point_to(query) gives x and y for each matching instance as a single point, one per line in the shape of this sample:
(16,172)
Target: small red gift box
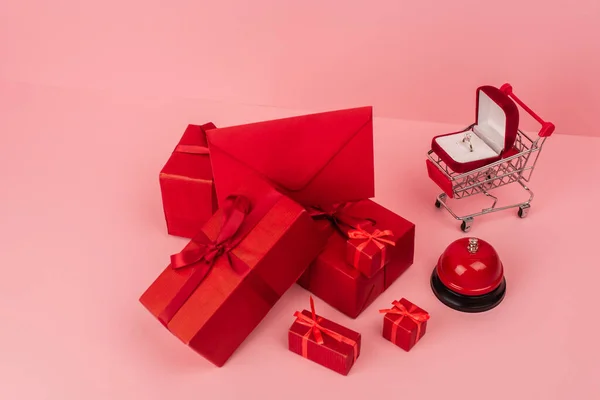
(404,324)
(337,282)
(367,249)
(222,284)
(323,341)
(186,183)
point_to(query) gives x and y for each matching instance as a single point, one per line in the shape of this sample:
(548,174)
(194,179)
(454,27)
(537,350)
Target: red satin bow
(202,249)
(317,330)
(338,216)
(400,310)
(202,253)
(377,237)
(192,149)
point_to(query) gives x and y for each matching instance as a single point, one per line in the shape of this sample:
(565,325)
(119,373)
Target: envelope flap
(291,151)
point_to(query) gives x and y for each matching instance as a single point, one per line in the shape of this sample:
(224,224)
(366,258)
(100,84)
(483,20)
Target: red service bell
(469,276)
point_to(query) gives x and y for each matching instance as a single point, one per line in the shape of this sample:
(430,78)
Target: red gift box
(404,324)
(222,284)
(186,183)
(331,278)
(367,249)
(323,341)
(321,158)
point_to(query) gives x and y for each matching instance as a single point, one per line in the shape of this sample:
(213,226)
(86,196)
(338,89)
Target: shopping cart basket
(491,153)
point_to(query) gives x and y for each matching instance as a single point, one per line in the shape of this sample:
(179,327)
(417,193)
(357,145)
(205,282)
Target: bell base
(461,302)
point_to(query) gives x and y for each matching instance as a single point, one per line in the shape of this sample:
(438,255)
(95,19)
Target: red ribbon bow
(339,218)
(400,310)
(377,237)
(202,253)
(235,211)
(317,331)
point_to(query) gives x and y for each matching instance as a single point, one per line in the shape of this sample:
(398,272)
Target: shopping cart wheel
(466,225)
(441,198)
(523,211)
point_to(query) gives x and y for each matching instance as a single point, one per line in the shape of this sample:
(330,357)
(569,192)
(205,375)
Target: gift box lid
(329,342)
(418,315)
(497,118)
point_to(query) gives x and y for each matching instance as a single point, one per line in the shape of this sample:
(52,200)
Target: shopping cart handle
(547,127)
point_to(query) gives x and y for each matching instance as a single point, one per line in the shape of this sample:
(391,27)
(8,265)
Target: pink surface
(83,235)
(417,60)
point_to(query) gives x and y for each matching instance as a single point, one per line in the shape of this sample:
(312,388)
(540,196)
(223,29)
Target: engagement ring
(467,138)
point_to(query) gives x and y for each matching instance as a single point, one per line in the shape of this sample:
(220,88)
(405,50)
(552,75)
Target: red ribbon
(400,310)
(377,238)
(339,217)
(191,149)
(317,331)
(196,149)
(202,253)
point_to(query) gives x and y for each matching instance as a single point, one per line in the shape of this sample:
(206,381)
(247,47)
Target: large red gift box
(222,284)
(323,341)
(322,158)
(186,183)
(336,281)
(404,324)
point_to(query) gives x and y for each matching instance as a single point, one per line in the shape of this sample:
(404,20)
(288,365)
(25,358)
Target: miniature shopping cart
(488,154)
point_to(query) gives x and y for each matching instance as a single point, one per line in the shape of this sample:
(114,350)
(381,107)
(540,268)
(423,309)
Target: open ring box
(492,136)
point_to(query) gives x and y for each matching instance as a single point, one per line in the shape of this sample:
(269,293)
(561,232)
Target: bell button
(469,276)
(473,245)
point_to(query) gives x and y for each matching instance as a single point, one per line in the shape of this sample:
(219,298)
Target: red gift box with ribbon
(332,276)
(368,248)
(222,284)
(186,183)
(323,341)
(404,324)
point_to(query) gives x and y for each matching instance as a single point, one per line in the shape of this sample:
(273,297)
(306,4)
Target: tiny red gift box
(186,183)
(337,282)
(323,341)
(404,324)
(368,249)
(223,283)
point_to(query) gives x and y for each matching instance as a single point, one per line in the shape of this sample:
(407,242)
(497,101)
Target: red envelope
(315,159)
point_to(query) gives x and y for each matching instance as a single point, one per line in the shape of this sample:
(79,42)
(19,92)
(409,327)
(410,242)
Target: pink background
(93,96)
(83,235)
(416,60)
